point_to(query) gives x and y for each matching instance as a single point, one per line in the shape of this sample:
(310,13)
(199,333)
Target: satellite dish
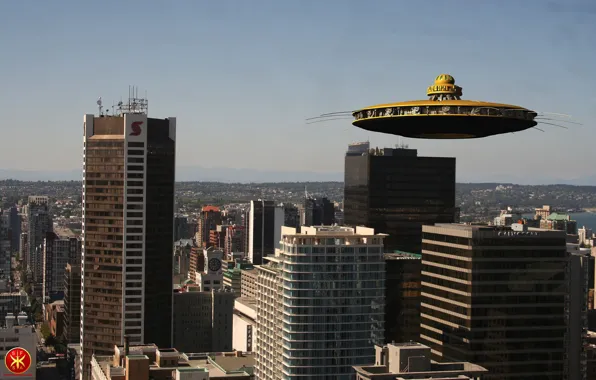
(99,101)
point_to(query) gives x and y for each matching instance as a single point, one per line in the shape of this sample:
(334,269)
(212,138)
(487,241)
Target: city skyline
(242,79)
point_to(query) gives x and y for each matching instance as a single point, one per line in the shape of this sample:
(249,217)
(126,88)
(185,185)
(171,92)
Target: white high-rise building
(320,303)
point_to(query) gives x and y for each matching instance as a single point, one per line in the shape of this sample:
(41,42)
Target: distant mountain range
(229,175)
(188,173)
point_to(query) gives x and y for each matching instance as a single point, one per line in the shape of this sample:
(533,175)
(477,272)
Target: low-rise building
(412,361)
(145,362)
(13,302)
(203,320)
(232,275)
(17,332)
(245,322)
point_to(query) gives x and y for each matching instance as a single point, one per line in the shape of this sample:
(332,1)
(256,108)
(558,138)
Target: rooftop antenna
(100,105)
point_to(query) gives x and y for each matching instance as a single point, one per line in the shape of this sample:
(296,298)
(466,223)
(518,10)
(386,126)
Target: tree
(45,332)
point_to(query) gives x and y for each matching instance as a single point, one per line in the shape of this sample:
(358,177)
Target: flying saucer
(444,116)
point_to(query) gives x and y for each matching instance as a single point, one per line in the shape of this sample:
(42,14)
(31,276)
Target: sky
(242,76)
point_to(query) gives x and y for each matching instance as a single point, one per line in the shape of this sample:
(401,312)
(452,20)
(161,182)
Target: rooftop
(64,233)
(401,255)
(330,231)
(248,302)
(557,216)
(184,243)
(210,209)
(411,360)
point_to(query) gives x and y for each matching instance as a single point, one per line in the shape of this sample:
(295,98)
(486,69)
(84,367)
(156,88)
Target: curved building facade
(320,303)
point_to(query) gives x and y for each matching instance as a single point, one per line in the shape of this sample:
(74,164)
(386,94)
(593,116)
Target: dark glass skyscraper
(318,212)
(263,229)
(395,192)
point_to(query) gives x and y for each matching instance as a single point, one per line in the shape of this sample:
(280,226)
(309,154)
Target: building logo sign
(136,128)
(518,233)
(17,361)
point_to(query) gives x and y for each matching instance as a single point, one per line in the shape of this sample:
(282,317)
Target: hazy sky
(241,77)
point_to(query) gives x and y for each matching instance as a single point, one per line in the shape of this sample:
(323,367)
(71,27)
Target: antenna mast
(134,103)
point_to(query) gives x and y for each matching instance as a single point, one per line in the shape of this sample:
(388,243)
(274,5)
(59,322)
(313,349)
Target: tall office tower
(197,263)
(496,296)
(39,223)
(264,223)
(291,215)
(209,218)
(395,192)
(60,247)
(72,303)
(234,241)
(402,310)
(5,245)
(24,247)
(128,228)
(181,230)
(319,303)
(14,227)
(577,314)
(318,212)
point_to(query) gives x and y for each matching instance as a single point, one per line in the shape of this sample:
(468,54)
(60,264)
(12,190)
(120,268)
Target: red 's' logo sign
(17,360)
(136,128)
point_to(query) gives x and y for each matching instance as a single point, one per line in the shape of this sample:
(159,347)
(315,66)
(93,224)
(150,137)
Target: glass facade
(159,233)
(396,192)
(128,217)
(403,298)
(103,214)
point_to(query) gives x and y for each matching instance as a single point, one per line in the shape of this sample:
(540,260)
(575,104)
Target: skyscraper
(495,296)
(39,222)
(5,244)
(72,303)
(265,219)
(61,247)
(318,212)
(395,192)
(209,218)
(128,214)
(320,303)
(14,227)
